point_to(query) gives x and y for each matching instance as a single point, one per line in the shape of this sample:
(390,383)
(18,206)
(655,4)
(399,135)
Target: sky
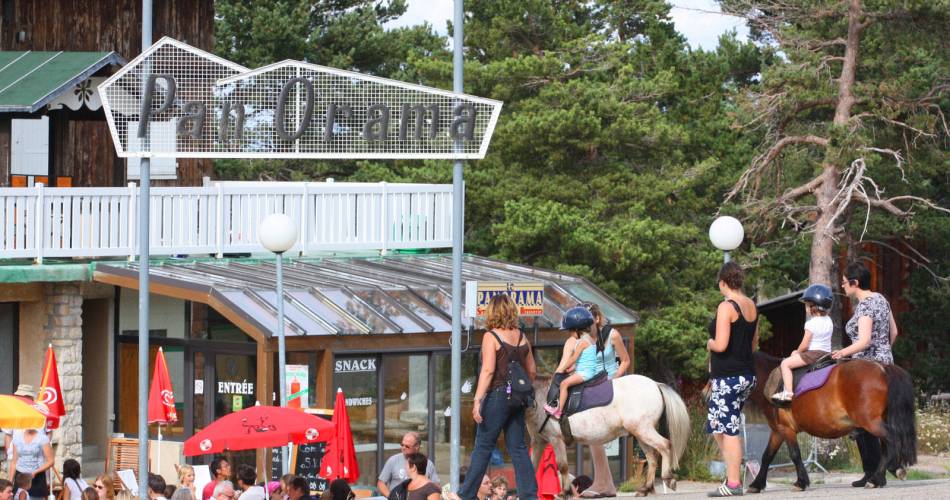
(697,20)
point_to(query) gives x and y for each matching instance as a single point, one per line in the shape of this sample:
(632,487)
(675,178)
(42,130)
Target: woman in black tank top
(732,337)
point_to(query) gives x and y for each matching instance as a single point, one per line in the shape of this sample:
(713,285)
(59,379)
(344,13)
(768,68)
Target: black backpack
(519,390)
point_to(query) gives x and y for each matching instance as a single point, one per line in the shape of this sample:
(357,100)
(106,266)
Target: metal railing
(222,218)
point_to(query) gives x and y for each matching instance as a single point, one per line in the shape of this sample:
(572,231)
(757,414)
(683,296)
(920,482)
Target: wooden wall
(83,148)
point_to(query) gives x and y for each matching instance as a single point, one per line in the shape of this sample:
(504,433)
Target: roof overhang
(30,80)
(400,294)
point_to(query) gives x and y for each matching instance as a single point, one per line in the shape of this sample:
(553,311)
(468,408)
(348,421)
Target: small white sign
(128,481)
(199,386)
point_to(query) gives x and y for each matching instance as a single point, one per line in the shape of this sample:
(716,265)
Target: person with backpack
(503,393)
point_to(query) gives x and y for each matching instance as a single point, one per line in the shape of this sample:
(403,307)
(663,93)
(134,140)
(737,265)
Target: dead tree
(831,114)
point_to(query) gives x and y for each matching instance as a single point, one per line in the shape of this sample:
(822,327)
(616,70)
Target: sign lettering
(291,109)
(528,296)
(355,365)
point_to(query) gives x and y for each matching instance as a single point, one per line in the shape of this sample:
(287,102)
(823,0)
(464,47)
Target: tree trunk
(826,227)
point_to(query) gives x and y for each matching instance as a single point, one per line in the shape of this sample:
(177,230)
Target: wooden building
(79,150)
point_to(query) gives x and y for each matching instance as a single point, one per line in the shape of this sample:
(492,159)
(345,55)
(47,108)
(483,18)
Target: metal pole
(457,246)
(144,201)
(281,351)
(725,256)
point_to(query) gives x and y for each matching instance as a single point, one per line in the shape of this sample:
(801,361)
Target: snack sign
(527,295)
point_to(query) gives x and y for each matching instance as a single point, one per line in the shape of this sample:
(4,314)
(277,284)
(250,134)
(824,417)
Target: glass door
(233,389)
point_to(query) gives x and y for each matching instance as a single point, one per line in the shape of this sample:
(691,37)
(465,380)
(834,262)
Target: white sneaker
(782,397)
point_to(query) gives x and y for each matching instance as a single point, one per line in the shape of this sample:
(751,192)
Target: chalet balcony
(222,218)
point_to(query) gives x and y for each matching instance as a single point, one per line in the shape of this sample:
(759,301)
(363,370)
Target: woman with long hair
(73,484)
(502,343)
(104,486)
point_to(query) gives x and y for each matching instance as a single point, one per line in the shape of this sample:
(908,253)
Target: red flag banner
(161,397)
(51,395)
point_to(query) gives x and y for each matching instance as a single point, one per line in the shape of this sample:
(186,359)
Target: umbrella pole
(158,456)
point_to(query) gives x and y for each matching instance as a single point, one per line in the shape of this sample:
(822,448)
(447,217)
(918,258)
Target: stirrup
(783,396)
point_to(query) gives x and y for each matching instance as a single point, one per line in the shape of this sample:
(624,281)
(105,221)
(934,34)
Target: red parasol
(161,398)
(50,393)
(340,458)
(549,481)
(259,427)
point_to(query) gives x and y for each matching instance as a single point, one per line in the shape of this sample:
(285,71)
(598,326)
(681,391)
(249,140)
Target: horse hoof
(901,474)
(753,490)
(671,484)
(798,487)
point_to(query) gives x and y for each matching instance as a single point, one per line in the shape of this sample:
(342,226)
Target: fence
(222,218)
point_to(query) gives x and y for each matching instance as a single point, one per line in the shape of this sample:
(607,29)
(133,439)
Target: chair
(121,454)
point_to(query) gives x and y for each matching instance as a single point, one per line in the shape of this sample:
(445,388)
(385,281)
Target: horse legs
(796,454)
(650,476)
(648,435)
(560,452)
(775,442)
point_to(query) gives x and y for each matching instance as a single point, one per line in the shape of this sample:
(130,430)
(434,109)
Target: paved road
(895,490)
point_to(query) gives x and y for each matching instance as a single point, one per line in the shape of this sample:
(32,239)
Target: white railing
(222,218)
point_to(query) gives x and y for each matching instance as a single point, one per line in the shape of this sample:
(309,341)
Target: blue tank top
(588,364)
(609,358)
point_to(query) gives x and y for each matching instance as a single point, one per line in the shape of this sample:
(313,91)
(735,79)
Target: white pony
(638,406)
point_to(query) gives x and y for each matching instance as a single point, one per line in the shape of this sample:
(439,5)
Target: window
(29,146)
(357,376)
(8,346)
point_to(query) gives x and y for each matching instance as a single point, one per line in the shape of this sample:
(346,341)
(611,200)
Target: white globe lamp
(726,234)
(278,233)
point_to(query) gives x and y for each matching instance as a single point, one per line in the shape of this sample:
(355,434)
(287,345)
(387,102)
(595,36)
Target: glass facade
(359,379)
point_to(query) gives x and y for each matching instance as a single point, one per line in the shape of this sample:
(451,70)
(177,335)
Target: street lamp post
(726,234)
(278,233)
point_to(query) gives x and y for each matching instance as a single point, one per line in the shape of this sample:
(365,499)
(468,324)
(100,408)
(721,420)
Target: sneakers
(782,397)
(725,491)
(552,410)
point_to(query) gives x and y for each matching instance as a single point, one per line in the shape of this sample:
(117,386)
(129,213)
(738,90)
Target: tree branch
(769,156)
(922,262)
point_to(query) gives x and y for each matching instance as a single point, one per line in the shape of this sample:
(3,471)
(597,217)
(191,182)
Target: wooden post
(324,396)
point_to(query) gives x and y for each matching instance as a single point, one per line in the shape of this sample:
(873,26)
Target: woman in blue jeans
(491,411)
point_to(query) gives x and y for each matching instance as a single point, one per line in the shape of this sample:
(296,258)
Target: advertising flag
(50,393)
(161,398)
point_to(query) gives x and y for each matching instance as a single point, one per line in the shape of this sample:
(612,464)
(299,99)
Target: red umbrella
(259,427)
(161,398)
(340,458)
(549,481)
(50,393)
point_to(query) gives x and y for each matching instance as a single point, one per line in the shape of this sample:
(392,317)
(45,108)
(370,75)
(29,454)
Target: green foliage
(617,143)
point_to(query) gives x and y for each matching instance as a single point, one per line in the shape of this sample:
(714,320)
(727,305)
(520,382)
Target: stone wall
(64,331)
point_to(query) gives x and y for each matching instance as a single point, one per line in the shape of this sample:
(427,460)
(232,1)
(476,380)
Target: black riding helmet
(819,295)
(577,318)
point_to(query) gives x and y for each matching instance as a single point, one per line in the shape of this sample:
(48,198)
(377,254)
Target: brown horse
(859,394)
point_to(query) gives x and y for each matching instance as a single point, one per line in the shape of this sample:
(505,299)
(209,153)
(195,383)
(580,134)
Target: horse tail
(677,422)
(900,418)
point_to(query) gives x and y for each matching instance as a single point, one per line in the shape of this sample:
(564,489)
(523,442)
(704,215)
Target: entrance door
(229,385)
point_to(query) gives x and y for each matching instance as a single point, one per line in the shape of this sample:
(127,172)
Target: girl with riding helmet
(816,342)
(580,352)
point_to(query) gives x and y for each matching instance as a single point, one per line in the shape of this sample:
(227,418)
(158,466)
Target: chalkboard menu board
(307,465)
(275,468)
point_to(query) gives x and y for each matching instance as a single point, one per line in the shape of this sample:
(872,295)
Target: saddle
(596,392)
(804,379)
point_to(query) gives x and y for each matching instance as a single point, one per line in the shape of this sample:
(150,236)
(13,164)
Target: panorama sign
(175,100)
(527,296)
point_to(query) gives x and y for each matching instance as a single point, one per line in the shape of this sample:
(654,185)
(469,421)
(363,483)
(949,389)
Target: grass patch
(920,475)
(933,430)
(700,449)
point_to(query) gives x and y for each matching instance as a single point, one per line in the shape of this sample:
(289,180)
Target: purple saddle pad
(813,380)
(595,396)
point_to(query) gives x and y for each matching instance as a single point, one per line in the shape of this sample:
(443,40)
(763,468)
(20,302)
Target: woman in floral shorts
(732,335)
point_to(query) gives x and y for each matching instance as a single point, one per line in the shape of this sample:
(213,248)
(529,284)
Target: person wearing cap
(24,392)
(580,352)
(816,342)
